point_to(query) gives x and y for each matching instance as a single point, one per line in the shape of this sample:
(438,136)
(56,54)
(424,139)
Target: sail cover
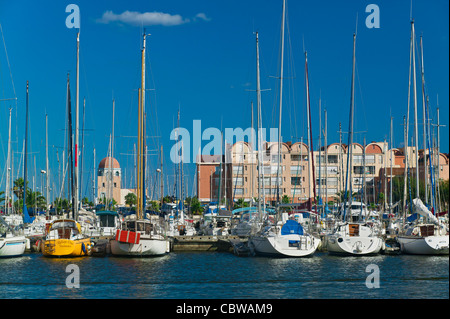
(421,209)
(291,227)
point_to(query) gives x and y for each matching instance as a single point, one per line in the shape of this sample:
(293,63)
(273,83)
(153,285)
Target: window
(296,181)
(296,170)
(237,181)
(295,157)
(237,170)
(332,159)
(332,181)
(358,169)
(115,184)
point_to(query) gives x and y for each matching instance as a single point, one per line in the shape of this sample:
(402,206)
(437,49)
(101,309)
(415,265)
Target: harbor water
(221,275)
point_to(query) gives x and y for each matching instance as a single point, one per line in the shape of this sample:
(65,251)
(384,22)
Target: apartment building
(235,175)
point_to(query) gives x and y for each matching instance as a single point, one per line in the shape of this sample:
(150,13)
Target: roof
(108,162)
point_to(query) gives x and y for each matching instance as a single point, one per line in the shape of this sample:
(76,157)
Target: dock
(203,243)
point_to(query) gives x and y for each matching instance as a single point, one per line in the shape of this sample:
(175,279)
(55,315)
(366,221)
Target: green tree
(196,207)
(285,199)
(240,203)
(131,199)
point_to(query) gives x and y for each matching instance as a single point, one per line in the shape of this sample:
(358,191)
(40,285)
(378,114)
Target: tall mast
(24,212)
(77,114)
(140,152)
(320,153)
(281,101)
(162,178)
(425,172)
(258,104)
(391,177)
(71,187)
(350,136)
(8,168)
(326,161)
(416,119)
(47,180)
(310,140)
(406,132)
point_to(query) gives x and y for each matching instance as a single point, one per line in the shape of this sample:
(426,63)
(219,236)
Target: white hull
(279,246)
(146,247)
(430,245)
(12,246)
(354,245)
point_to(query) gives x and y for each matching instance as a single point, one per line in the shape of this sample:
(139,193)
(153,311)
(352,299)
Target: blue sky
(201,60)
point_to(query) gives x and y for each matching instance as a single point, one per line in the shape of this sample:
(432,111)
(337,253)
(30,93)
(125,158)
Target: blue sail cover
(26,217)
(291,227)
(412,218)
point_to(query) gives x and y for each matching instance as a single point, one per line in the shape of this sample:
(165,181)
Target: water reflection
(222,275)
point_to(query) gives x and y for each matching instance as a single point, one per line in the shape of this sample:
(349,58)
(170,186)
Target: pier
(203,243)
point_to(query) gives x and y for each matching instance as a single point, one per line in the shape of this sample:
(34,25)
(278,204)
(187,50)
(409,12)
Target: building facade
(235,176)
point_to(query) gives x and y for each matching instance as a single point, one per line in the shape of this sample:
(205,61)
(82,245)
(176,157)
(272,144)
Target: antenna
(410,12)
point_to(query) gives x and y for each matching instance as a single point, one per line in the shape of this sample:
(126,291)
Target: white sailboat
(11,244)
(286,238)
(353,237)
(425,235)
(139,236)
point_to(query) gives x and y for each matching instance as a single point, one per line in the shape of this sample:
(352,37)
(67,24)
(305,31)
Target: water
(218,275)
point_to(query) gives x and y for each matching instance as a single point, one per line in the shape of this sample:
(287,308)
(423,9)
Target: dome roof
(108,162)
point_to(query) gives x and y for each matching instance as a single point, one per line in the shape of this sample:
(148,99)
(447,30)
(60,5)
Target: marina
(142,207)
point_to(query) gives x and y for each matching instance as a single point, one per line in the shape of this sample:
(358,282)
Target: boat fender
(83,248)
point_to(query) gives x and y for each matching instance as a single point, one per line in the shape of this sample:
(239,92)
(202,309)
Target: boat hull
(66,247)
(348,245)
(284,245)
(430,245)
(13,246)
(145,247)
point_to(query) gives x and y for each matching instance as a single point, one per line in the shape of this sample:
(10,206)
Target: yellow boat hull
(66,247)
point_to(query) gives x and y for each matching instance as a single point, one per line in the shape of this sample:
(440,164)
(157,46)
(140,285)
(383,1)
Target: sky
(201,61)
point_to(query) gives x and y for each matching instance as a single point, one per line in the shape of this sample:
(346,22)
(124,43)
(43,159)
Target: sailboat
(138,236)
(285,238)
(13,244)
(424,234)
(64,237)
(353,237)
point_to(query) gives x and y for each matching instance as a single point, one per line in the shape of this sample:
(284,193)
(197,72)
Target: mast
(47,180)
(24,211)
(70,149)
(326,162)
(8,168)
(391,178)
(162,178)
(350,136)
(320,153)
(258,104)
(94,199)
(77,114)
(281,102)
(424,105)
(140,151)
(406,132)
(310,140)
(416,119)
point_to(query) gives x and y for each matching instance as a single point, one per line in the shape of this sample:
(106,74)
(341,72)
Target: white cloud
(202,16)
(148,18)
(145,19)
